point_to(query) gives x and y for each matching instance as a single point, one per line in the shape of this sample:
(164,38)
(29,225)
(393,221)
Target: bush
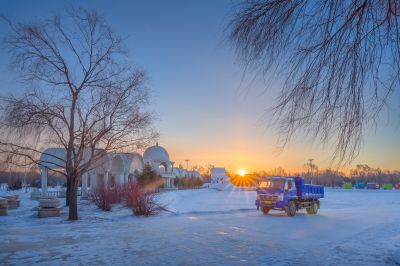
(117,193)
(103,197)
(142,201)
(188,182)
(149,178)
(15,184)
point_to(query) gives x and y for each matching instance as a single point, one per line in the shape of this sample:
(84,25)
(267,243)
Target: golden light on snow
(242,172)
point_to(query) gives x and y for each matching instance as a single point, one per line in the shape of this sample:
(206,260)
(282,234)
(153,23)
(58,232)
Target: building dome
(155,153)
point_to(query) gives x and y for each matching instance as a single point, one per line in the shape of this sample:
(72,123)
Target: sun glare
(242,172)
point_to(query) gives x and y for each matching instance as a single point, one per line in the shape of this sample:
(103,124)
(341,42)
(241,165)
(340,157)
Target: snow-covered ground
(353,227)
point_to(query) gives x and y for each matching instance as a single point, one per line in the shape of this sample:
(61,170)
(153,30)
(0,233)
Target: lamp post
(310,166)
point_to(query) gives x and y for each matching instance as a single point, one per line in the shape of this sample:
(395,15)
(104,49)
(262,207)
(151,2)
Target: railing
(50,194)
(189,188)
(53,193)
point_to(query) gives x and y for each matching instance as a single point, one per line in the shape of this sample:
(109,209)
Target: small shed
(360,185)
(387,186)
(372,185)
(347,185)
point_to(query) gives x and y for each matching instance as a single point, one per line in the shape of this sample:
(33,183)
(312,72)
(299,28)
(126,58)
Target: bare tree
(340,61)
(82,95)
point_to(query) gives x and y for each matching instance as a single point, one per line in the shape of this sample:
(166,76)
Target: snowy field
(353,227)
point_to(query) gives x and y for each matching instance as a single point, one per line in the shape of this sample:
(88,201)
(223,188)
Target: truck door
(290,189)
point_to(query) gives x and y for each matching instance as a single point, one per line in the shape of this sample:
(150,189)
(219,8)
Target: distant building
(112,168)
(158,158)
(180,173)
(218,175)
(194,174)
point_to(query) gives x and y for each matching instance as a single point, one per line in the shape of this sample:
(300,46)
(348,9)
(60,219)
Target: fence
(189,188)
(3,186)
(51,194)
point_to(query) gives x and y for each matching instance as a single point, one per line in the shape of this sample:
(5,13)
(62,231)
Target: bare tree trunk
(97,97)
(73,198)
(67,197)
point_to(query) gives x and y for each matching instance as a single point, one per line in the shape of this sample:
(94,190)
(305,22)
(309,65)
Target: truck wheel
(313,208)
(291,209)
(265,210)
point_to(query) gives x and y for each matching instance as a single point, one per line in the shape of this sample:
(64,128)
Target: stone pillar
(84,185)
(93,181)
(44,172)
(121,179)
(106,178)
(118,179)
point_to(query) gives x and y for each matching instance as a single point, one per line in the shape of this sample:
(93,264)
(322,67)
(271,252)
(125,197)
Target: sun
(242,172)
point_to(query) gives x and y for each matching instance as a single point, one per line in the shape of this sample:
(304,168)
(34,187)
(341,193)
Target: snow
(205,226)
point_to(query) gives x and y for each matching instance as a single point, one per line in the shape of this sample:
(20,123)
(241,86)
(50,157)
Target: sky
(207,109)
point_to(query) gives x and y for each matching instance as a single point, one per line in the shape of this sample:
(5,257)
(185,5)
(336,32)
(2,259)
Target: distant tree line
(31,178)
(188,182)
(333,178)
(326,177)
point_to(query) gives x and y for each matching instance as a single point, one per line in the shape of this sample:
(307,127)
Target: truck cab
(289,194)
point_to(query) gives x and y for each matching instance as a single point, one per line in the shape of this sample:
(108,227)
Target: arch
(133,177)
(136,163)
(163,168)
(136,174)
(116,175)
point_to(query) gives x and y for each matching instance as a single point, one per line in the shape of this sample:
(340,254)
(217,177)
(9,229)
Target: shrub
(35,183)
(117,193)
(188,182)
(103,197)
(142,201)
(15,184)
(150,178)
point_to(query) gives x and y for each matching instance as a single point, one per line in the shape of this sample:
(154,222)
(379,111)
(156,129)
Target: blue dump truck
(288,194)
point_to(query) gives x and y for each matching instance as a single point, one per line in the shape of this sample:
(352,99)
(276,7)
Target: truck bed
(307,191)
(312,192)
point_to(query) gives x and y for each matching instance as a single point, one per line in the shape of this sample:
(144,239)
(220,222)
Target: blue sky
(206,111)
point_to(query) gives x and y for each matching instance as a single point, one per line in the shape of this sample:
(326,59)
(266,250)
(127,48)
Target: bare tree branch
(340,61)
(82,95)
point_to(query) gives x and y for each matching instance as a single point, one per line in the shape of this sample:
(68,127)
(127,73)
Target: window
(272,184)
(289,187)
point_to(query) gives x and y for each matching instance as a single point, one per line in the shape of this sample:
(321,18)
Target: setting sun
(242,172)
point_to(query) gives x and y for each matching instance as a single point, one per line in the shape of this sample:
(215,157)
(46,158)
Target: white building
(158,158)
(218,175)
(180,173)
(112,168)
(194,174)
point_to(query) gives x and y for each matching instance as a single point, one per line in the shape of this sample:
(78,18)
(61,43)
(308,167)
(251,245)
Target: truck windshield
(273,184)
